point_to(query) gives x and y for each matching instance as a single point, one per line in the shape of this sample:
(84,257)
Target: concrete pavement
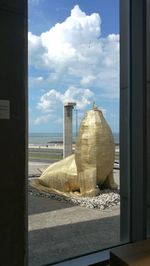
(35,168)
(60,230)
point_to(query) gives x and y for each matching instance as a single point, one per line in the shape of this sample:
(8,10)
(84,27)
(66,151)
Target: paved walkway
(60,230)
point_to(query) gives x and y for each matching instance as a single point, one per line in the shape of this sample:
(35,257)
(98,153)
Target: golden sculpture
(91,167)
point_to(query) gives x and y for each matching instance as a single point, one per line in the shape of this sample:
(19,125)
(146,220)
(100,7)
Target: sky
(73,56)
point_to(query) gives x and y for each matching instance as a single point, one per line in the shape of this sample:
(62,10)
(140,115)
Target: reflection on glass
(74,201)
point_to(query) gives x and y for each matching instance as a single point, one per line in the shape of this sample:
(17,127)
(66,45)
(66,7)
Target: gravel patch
(106,199)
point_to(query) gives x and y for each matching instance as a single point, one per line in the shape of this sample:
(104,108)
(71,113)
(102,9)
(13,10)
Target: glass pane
(73,73)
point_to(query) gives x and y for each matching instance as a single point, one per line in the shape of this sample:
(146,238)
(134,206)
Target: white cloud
(62,44)
(64,40)
(36,79)
(52,99)
(35,2)
(40,78)
(35,50)
(88,80)
(59,121)
(74,52)
(43,119)
(75,48)
(36,82)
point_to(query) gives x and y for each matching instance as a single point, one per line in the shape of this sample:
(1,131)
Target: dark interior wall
(135,118)
(148,114)
(124,119)
(13,128)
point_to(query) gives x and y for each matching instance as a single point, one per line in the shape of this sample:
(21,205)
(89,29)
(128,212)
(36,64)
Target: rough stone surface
(106,199)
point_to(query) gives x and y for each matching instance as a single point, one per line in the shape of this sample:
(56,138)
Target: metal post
(76,110)
(67,134)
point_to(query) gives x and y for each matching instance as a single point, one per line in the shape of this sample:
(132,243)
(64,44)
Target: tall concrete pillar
(67,134)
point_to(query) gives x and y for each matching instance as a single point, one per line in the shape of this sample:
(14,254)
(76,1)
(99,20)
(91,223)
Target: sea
(43,139)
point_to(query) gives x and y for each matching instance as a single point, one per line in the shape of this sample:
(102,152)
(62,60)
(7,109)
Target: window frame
(132,130)
(133,119)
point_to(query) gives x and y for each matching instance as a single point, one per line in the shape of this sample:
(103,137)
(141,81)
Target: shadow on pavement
(41,204)
(57,243)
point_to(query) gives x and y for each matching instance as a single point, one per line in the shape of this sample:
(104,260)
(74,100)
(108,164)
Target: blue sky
(73,56)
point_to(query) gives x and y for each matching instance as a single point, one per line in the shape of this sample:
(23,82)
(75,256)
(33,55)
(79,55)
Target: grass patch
(45,156)
(45,151)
